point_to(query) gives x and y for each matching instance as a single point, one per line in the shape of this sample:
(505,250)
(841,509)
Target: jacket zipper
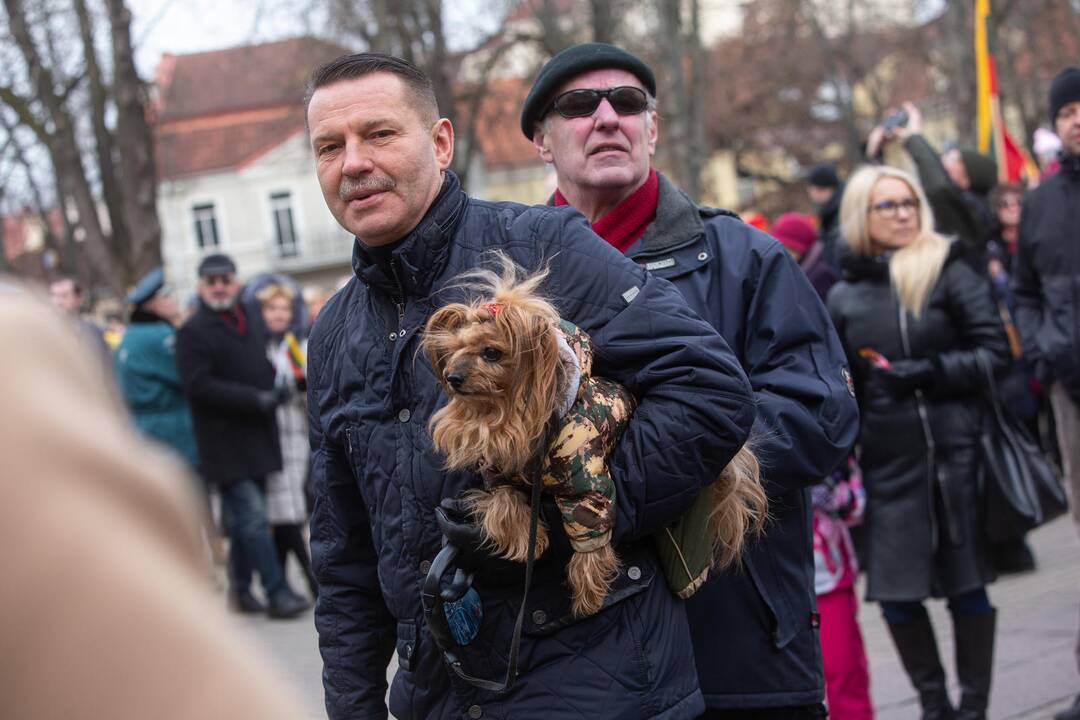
(399,298)
(924,419)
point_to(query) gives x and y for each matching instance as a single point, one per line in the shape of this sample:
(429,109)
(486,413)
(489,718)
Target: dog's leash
(533,470)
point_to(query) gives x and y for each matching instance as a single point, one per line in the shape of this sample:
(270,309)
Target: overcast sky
(186,26)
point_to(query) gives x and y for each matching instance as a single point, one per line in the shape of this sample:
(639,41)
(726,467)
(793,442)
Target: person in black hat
(1046,273)
(957,184)
(825,190)
(221,358)
(591,114)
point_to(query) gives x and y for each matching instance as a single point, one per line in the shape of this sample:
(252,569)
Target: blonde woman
(914,322)
(286,506)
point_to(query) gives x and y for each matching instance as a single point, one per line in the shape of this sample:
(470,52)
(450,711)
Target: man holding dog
(591,113)
(382,153)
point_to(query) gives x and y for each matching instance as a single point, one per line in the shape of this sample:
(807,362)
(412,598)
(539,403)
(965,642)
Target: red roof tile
(239,78)
(191,149)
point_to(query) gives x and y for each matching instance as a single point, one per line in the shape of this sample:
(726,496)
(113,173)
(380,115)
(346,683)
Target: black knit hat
(823,175)
(217,264)
(572,62)
(982,171)
(1064,90)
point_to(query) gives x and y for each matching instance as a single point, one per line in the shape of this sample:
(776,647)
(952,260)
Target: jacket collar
(678,220)
(421,255)
(1070,166)
(876,267)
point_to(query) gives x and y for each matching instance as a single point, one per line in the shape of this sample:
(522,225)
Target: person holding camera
(957,182)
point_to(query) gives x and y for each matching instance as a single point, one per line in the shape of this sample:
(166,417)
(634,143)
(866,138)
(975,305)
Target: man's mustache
(377,183)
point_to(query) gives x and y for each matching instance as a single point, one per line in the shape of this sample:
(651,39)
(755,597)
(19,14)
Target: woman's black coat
(919,451)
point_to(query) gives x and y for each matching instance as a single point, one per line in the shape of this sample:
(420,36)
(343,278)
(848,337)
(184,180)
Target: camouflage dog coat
(575,470)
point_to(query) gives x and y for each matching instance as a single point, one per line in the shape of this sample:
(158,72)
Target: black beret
(570,63)
(217,264)
(1063,90)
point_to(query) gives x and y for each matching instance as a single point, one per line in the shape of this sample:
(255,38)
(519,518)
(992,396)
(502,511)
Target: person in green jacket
(146,368)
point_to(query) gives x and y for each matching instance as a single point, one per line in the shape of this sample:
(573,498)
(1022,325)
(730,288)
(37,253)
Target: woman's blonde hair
(275,290)
(914,269)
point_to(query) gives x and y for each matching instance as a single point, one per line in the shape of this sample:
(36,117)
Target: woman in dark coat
(919,328)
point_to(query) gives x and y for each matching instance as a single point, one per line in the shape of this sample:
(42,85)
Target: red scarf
(627,221)
(235,318)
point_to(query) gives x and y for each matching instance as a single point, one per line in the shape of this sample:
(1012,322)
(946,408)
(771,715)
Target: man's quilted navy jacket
(377,479)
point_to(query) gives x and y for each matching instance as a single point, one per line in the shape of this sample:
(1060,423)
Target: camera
(896,120)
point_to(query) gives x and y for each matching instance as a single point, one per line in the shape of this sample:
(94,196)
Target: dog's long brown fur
(496,417)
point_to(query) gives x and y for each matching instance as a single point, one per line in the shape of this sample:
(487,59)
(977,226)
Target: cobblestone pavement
(1035,673)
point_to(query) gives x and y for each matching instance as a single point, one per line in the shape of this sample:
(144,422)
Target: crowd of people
(853,356)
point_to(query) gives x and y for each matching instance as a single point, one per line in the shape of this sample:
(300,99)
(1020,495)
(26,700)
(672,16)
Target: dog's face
(474,355)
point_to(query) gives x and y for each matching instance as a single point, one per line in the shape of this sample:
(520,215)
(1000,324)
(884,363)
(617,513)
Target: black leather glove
(270,399)
(907,376)
(459,529)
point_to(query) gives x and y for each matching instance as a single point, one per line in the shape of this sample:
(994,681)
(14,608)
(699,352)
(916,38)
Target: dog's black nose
(456,380)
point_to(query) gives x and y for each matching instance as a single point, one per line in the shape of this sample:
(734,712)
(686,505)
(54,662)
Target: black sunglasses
(625,100)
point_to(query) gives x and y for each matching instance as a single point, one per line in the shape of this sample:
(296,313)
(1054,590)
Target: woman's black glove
(904,377)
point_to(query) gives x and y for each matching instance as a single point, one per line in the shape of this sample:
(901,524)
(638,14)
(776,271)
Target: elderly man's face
(604,151)
(378,159)
(219,291)
(953,162)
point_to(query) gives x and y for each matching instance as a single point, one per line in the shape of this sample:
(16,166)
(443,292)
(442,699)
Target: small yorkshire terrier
(509,364)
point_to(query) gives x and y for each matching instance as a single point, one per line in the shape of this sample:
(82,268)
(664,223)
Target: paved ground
(1035,674)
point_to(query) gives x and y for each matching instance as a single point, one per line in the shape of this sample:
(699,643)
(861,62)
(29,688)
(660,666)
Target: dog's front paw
(590,575)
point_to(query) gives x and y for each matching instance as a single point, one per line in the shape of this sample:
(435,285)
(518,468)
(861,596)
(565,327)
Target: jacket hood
(418,257)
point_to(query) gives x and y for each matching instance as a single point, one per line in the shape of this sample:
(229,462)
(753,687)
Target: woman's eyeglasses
(625,100)
(890,208)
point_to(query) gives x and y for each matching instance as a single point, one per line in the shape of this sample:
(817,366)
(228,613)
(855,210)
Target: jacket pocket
(759,564)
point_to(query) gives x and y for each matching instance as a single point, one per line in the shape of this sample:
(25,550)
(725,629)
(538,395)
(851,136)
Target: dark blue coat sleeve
(808,418)
(356,631)
(695,408)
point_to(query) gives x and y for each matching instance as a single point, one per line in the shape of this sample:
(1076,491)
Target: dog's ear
(439,331)
(536,348)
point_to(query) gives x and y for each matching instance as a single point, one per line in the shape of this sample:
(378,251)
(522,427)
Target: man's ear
(541,144)
(653,132)
(442,137)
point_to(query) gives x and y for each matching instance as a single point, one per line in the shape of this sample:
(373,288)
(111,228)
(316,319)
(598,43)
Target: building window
(284,229)
(206,233)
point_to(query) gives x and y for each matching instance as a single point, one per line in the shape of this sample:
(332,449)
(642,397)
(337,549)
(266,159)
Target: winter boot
(918,651)
(974,662)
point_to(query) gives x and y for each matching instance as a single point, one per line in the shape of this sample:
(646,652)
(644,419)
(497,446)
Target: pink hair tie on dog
(492,308)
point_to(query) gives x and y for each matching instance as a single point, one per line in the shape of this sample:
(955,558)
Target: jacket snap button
(425,566)
(539,617)
(634,572)
(475,712)
(703,256)
(404,415)
(393,336)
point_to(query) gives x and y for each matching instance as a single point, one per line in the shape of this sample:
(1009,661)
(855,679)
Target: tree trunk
(680,146)
(64,150)
(103,140)
(138,172)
